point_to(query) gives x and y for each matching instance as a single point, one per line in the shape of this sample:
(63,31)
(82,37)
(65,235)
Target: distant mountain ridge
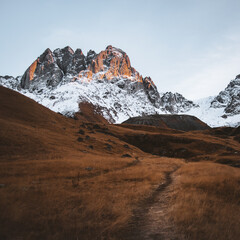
(64,78)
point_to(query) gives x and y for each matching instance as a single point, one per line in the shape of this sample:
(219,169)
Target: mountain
(66,81)
(65,65)
(221,110)
(62,79)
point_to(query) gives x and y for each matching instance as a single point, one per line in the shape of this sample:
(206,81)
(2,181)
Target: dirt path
(151,220)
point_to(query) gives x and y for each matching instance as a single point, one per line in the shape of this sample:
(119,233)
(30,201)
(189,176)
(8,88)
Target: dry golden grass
(206,201)
(53,186)
(41,201)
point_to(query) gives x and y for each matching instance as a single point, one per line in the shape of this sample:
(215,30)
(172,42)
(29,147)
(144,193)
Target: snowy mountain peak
(63,79)
(110,63)
(238,76)
(229,99)
(50,68)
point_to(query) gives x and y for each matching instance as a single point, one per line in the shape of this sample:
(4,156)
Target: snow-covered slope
(120,105)
(175,103)
(213,116)
(222,110)
(10,82)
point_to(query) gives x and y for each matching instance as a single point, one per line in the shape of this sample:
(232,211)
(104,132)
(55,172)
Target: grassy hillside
(62,178)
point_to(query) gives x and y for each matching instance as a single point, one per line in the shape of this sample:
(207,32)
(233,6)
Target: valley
(83,178)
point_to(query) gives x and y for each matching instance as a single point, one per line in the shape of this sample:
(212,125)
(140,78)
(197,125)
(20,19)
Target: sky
(186,46)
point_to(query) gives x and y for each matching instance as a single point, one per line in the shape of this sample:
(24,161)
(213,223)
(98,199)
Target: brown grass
(54,187)
(40,201)
(206,201)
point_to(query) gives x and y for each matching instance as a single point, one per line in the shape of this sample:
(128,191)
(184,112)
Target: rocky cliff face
(10,82)
(62,66)
(176,103)
(51,67)
(229,99)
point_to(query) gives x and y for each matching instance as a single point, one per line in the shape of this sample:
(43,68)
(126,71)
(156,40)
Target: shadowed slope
(90,113)
(178,122)
(15,107)
(29,129)
(191,145)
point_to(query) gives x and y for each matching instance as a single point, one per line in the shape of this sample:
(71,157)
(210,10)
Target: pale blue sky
(188,46)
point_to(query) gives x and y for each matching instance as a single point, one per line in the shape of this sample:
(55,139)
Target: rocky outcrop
(175,103)
(10,82)
(44,71)
(50,68)
(110,64)
(112,61)
(151,91)
(70,62)
(229,99)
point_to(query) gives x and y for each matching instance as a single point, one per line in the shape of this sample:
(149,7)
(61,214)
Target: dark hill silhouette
(178,122)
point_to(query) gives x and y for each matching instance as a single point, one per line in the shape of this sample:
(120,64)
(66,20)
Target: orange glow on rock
(32,70)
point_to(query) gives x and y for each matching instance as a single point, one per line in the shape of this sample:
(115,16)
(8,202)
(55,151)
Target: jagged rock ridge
(109,63)
(229,99)
(176,103)
(64,65)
